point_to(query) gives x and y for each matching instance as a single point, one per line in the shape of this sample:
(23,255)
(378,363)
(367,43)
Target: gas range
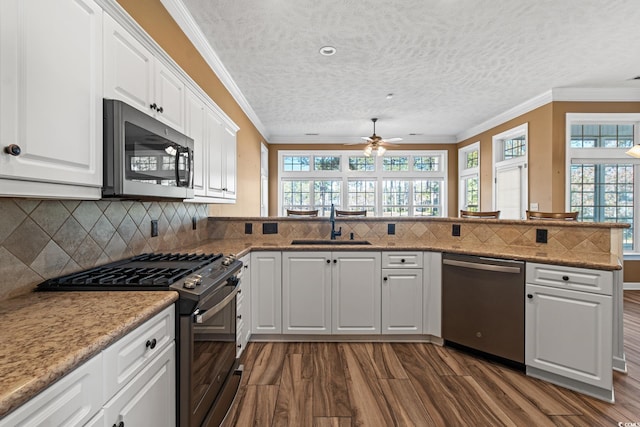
(194,276)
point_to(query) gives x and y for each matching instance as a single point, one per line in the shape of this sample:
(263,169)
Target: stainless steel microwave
(143,157)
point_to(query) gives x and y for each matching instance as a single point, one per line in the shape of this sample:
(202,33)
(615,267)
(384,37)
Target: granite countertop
(598,261)
(45,335)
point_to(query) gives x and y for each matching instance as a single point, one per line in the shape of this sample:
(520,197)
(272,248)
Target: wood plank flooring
(391,384)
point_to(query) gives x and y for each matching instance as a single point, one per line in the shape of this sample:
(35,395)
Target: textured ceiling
(451,64)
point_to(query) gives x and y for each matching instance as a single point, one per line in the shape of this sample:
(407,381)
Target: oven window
(152,159)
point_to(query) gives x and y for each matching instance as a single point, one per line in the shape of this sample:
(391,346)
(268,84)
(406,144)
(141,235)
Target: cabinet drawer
(579,279)
(128,356)
(71,401)
(397,259)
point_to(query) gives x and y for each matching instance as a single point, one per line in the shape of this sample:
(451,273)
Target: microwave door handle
(187,181)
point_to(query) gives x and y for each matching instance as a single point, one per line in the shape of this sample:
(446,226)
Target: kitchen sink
(330,242)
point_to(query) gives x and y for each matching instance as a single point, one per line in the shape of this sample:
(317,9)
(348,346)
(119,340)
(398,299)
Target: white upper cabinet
(195,128)
(134,75)
(50,98)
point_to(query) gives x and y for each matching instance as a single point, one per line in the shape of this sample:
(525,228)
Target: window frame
(599,155)
(377,175)
(465,173)
(522,162)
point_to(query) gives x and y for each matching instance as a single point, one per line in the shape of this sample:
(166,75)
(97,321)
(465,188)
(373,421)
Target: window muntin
(361,195)
(426,163)
(395,163)
(296,194)
(296,163)
(326,163)
(514,147)
(602,135)
(360,184)
(362,163)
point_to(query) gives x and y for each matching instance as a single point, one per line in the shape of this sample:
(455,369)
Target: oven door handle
(205,316)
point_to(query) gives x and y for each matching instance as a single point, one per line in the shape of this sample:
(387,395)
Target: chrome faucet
(332,219)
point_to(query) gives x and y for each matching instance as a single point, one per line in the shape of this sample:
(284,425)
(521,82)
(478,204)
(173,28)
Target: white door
(195,129)
(306,292)
(169,97)
(51,86)
(356,292)
(230,160)
(569,333)
(402,301)
(214,141)
(266,292)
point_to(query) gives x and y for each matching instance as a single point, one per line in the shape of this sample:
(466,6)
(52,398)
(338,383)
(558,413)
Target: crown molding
(187,24)
(316,139)
(597,94)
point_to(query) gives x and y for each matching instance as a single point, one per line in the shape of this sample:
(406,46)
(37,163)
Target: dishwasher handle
(480,266)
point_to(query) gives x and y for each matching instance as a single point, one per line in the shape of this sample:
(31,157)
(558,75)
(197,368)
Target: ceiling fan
(375,142)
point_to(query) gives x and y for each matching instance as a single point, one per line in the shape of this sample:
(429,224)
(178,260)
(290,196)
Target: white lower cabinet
(243,306)
(266,292)
(135,376)
(356,292)
(569,332)
(71,401)
(306,292)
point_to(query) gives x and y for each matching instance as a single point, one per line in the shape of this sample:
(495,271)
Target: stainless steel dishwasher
(483,305)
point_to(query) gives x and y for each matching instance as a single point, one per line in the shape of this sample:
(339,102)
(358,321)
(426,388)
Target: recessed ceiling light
(312,134)
(328,50)
(415,134)
(635,78)
(389,95)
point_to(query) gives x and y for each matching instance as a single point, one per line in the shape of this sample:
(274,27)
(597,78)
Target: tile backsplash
(41,239)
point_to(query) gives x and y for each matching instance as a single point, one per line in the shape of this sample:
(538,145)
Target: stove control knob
(192,281)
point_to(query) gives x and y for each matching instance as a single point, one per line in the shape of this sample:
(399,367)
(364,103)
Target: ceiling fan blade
(389,144)
(392,140)
(366,138)
(354,143)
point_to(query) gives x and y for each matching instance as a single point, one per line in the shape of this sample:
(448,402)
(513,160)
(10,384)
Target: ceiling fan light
(634,151)
(368,150)
(381,151)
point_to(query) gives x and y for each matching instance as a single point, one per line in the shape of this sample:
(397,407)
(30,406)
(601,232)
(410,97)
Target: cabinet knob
(160,109)
(402,260)
(151,343)
(335,261)
(239,316)
(13,150)
(239,346)
(153,106)
(530,296)
(246,266)
(565,278)
(328,261)
(385,279)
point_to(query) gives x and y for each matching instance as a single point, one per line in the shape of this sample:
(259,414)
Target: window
(402,184)
(469,177)
(510,176)
(600,176)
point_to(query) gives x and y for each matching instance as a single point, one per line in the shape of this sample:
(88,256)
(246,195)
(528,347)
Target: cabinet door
(128,67)
(266,293)
(169,97)
(150,398)
(215,159)
(71,401)
(306,292)
(402,301)
(356,292)
(51,86)
(245,310)
(230,156)
(432,293)
(569,333)
(195,128)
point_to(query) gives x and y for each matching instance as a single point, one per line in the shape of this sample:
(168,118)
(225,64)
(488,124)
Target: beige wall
(275,148)
(156,21)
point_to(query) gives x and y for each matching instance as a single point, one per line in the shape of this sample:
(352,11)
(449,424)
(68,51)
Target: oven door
(209,349)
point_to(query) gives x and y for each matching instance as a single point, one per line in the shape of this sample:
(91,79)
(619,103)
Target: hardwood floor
(385,384)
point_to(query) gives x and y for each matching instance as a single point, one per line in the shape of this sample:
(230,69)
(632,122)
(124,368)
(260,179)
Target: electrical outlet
(248,228)
(541,235)
(154,228)
(194,223)
(270,228)
(391,229)
(455,230)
